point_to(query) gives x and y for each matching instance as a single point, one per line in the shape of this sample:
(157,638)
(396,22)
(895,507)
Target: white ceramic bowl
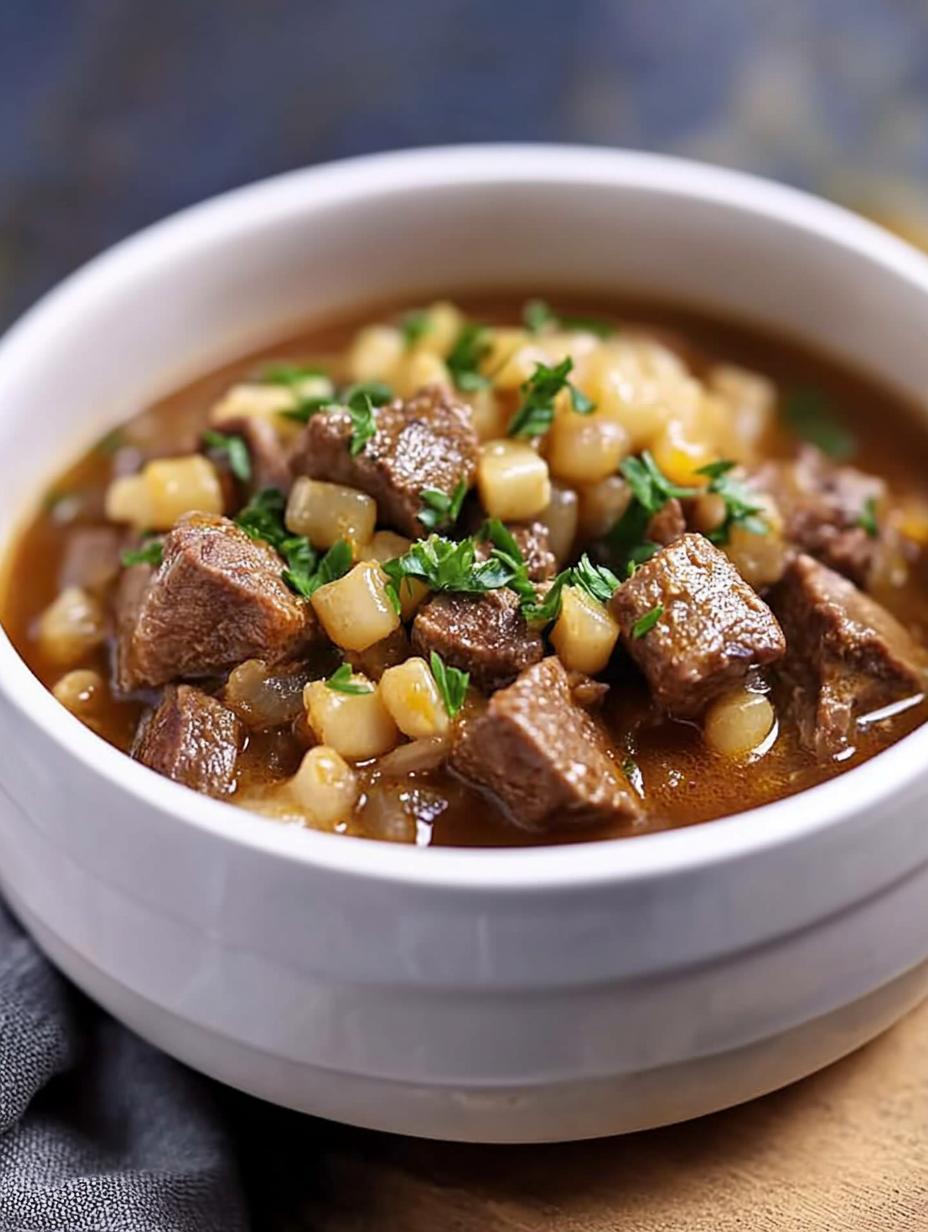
(499,995)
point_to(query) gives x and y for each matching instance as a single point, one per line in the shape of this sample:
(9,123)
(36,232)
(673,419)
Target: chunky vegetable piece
(457,577)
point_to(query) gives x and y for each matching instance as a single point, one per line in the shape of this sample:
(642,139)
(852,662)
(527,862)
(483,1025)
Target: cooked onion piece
(325,786)
(71,626)
(738,723)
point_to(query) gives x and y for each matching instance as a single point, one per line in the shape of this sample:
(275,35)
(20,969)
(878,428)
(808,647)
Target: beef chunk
(712,630)
(821,505)
(91,557)
(543,756)
(847,655)
(667,524)
(217,599)
(485,635)
(532,538)
(270,460)
(192,739)
(425,442)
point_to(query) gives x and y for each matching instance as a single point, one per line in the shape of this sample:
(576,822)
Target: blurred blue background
(116,112)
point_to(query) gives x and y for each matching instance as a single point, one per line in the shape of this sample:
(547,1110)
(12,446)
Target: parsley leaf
(536,314)
(301,558)
(507,553)
(150,553)
(866,519)
(288,375)
(651,490)
(439,509)
(235,450)
(549,608)
(378,392)
(644,624)
(741,508)
(448,565)
(263,518)
(470,349)
(335,564)
(363,423)
(415,325)
(306,408)
(341,682)
(809,415)
(452,684)
(535,414)
(598,581)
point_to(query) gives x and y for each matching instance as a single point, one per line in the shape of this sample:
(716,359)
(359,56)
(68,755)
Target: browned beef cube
(532,539)
(822,505)
(485,635)
(270,458)
(91,557)
(712,628)
(667,524)
(543,756)
(192,739)
(425,442)
(847,656)
(217,599)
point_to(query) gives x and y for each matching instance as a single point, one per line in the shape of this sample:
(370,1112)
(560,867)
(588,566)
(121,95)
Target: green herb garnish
(446,564)
(548,609)
(741,508)
(598,581)
(470,349)
(644,624)
(363,423)
(306,408)
(535,414)
(508,554)
(234,449)
(439,509)
(809,414)
(341,682)
(263,518)
(537,314)
(415,325)
(288,375)
(866,519)
(335,564)
(452,684)
(377,392)
(150,553)
(111,441)
(301,558)
(651,490)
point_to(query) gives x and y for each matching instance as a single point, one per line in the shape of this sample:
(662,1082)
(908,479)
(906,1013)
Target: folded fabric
(98,1131)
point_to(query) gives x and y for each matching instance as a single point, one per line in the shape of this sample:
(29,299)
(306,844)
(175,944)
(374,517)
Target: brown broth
(684,781)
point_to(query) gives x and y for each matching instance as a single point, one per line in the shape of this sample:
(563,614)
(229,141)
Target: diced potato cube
(681,456)
(443,324)
(255,401)
(511,357)
(325,786)
(738,722)
(561,516)
(585,448)
(81,691)
(419,368)
(386,545)
(585,633)
(760,559)
(356,725)
(488,416)
(355,610)
(411,695)
(375,352)
(163,490)
(602,504)
(71,626)
(512,480)
(327,512)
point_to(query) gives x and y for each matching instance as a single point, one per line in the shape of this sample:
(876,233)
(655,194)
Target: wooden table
(843,1151)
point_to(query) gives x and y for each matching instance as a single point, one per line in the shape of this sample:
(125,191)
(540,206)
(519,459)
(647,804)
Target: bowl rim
(479,869)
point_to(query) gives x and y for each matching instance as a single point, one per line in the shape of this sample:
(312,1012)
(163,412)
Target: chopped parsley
(363,423)
(651,490)
(598,581)
(741,508)
(535,414)
(548,609)
(509,555)
(150,553)
(378,392)
(111,441)
(235,451)
(644,624)
(263,518)
(866,519)
(536,315)
(341,682)
(808,413)
(632,772)
(448,565)
(470,349)
(452,684)
(288,375)
(306,408)
(414,326)
(439,509)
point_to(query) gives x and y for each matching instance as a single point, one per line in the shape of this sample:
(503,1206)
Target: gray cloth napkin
(98,1131)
